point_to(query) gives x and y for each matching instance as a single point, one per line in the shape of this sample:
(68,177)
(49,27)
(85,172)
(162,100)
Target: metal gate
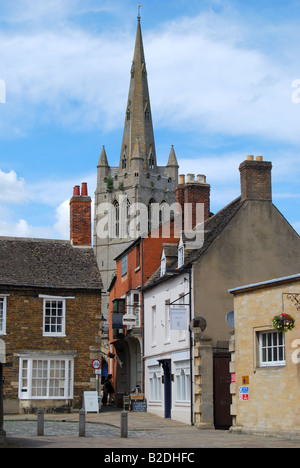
(222,396)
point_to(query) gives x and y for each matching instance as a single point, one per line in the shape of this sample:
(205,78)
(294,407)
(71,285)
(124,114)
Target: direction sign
(96,364)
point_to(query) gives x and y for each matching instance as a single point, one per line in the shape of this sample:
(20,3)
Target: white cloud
(45,197)
(12,188)
(62,225)
(22,228)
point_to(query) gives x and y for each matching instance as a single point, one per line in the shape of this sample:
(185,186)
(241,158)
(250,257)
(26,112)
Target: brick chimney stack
(194,191)
(256,180)
(81,217)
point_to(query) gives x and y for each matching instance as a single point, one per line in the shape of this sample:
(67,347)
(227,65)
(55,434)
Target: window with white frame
(133,307)
(180,254)
(2,315)
(44,378)
(54,323)
(271,349)
(183,381)
(155,384)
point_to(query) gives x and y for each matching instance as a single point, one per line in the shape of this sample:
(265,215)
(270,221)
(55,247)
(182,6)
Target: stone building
(265,362)
(50,321)
(137,179)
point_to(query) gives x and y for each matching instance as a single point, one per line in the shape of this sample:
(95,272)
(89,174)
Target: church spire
(138,119)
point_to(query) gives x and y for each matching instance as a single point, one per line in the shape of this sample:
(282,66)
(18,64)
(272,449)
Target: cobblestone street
(145,431)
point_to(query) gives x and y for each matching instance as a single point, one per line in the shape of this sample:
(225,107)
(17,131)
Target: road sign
(244,393)
(96,364)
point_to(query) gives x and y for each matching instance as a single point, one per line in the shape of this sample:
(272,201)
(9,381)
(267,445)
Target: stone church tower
(137,179)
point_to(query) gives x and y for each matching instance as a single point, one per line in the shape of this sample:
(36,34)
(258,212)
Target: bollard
(82,423)
(124,425)
(40,422)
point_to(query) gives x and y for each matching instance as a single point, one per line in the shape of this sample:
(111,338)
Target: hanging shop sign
(129,320)
(178,318)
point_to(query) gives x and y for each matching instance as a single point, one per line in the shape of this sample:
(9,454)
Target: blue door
(167,380)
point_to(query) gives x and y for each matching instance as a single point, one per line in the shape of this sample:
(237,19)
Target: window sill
(54,336)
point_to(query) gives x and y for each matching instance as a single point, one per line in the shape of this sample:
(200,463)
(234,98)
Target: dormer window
(163,265)
(180,254)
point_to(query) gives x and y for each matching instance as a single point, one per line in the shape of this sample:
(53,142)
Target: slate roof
(47,264)
(212,229)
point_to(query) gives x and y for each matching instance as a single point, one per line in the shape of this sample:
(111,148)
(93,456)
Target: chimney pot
(250,158)
(182,179)
(76,191)
(259,158)
(190,178)
(84,190)
(201,178)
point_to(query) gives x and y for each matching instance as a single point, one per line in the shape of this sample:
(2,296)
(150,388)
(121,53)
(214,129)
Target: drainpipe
(191,348)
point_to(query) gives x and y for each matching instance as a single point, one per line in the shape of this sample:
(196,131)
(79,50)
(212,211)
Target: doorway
(167,381)
(222,396)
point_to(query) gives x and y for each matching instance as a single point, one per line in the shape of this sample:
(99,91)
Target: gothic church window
(116,220)
(151,215)
(127,217)
(151,161)
(124,162)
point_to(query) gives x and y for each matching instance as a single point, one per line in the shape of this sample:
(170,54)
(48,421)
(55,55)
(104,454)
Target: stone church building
(137,179)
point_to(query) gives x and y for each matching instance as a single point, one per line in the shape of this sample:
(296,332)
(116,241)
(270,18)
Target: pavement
(145,431)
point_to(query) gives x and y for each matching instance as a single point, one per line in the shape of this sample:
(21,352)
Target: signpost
(97,368)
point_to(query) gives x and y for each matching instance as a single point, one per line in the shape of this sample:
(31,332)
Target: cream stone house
(265,363)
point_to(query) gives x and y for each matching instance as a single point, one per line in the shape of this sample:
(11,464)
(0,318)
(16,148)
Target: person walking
(108,391)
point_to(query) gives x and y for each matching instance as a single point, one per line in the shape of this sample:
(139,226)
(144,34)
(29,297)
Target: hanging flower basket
(283,323)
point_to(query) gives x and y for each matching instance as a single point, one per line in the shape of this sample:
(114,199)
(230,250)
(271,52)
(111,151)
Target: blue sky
(224,79)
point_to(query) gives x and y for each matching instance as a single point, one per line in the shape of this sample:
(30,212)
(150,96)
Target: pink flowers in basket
(283,323)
